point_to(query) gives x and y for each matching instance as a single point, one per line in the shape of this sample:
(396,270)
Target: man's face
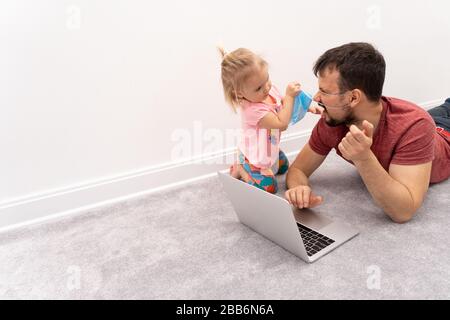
(336,104)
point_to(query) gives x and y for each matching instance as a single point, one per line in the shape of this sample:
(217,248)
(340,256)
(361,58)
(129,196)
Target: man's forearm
(392,196)
(295,177)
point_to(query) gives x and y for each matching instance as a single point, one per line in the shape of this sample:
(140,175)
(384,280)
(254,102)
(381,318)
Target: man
(393,143)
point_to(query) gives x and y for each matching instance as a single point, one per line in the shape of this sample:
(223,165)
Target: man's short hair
(360,66)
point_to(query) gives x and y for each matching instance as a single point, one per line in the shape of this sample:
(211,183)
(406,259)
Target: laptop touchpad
(311,219)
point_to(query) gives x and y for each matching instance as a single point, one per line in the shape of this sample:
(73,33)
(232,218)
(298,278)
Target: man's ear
(357,96)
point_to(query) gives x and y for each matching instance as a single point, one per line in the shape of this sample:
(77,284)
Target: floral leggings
(264,178)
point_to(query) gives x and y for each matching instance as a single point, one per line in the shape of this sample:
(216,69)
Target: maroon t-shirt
(406,134)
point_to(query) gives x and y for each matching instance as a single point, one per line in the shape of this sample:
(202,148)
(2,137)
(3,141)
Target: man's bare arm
(299,192)
(399,192)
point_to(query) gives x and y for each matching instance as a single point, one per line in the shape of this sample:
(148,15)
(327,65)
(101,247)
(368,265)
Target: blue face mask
(301,105)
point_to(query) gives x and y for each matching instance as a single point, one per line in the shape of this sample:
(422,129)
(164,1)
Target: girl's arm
(281,120)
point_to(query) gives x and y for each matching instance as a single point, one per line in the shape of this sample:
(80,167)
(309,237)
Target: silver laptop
(305,233)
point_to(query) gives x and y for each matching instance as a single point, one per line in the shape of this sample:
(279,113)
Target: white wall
(92,90)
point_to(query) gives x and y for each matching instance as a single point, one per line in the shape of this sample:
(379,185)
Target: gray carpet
(186,243)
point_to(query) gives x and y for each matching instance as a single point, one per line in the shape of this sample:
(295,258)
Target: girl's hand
(315,109)
(293,89)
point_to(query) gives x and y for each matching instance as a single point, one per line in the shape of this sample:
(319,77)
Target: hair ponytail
(222,51)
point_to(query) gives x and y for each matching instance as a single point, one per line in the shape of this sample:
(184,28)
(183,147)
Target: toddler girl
(264,114)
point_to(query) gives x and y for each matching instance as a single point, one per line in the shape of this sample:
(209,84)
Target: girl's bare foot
(234,171)
(237,171)
(244,176)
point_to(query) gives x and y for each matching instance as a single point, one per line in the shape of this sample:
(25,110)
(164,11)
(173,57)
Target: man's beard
(348,120)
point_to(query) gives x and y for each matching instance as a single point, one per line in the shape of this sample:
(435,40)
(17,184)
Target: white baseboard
(57,203)
(39,208)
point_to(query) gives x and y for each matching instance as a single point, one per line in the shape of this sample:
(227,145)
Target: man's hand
(302,197)
(355,146)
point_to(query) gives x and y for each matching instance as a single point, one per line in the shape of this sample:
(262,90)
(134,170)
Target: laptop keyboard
(314,241)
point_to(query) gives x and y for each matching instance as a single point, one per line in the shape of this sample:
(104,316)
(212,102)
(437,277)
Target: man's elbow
(406,212)
(401,219)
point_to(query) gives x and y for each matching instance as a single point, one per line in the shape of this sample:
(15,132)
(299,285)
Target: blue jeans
(441,115)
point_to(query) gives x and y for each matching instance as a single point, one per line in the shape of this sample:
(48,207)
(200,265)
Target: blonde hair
(237,66)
